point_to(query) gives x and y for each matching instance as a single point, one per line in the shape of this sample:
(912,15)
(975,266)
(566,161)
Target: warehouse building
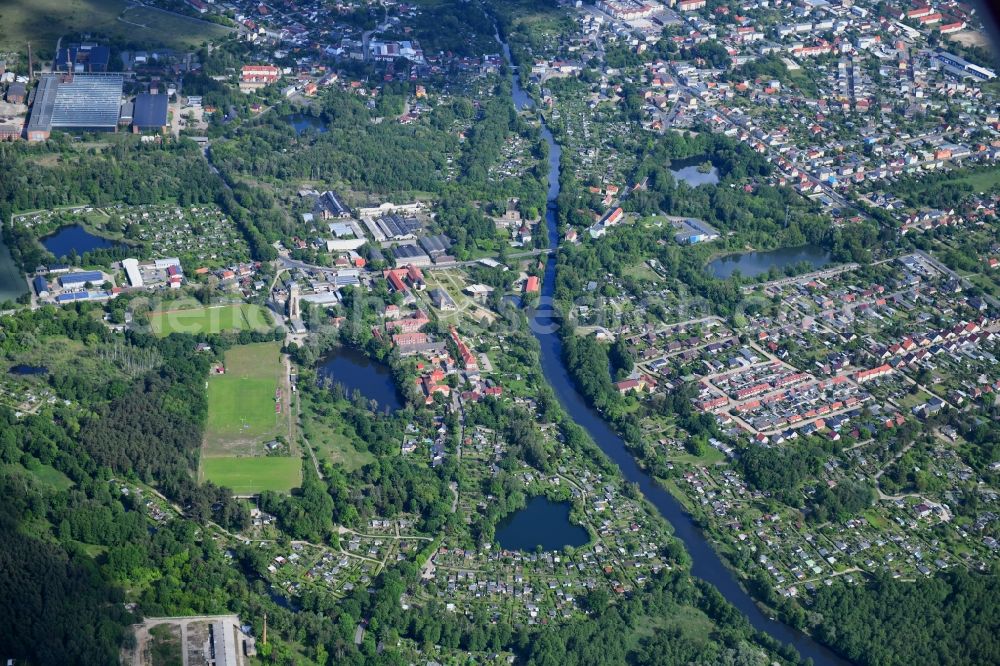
(131,267)
(411,254)
(81,278)
(41,286)
(89,102)
(150,113)
(435,246)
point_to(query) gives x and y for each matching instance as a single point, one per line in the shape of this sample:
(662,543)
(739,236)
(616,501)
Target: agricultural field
(42,22)
(214,319)
(249,476)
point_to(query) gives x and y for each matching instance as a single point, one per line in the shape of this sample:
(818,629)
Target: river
(706,563)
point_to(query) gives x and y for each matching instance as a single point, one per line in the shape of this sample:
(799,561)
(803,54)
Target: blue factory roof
(81,58)
(150,111)
(82,278)
(81,296)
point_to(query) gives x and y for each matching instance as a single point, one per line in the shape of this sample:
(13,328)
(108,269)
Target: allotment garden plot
(200,236)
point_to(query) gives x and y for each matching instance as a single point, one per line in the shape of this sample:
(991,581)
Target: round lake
(302,122)
(688,171)
(541,523)
(355,371)
(74,238)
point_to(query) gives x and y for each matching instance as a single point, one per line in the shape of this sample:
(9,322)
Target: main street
(286,262)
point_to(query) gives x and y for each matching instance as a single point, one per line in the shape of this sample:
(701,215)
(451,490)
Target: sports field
(212,319)
(248,406)
(249,476)
(242,410)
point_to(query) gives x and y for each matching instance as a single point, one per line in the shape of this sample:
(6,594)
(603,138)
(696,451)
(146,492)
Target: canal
(706,563)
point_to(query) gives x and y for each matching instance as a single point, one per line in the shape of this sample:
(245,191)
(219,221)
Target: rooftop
(84,101)
(150,111)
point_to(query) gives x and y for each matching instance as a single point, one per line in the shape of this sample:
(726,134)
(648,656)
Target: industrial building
(411,254)
(131,267)
(81,278)
(397,227)
(75,101)
(330,205)
(691,231)
(16,93)
(83,59)
(125,116)
(223,643)
(41,286)
(150,113)
(962,67)
(73,296)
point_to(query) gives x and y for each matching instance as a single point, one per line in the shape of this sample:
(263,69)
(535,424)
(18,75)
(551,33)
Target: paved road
(288,262)
(824,273)
(965,283)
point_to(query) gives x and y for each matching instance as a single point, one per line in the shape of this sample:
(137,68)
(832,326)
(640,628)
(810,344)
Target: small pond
(688,170)
(354,370)
(541,523)
(74,237)
(302,122)
(23,369)
(752,264)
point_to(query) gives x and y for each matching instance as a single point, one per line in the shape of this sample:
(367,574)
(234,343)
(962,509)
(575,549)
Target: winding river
(706,563)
